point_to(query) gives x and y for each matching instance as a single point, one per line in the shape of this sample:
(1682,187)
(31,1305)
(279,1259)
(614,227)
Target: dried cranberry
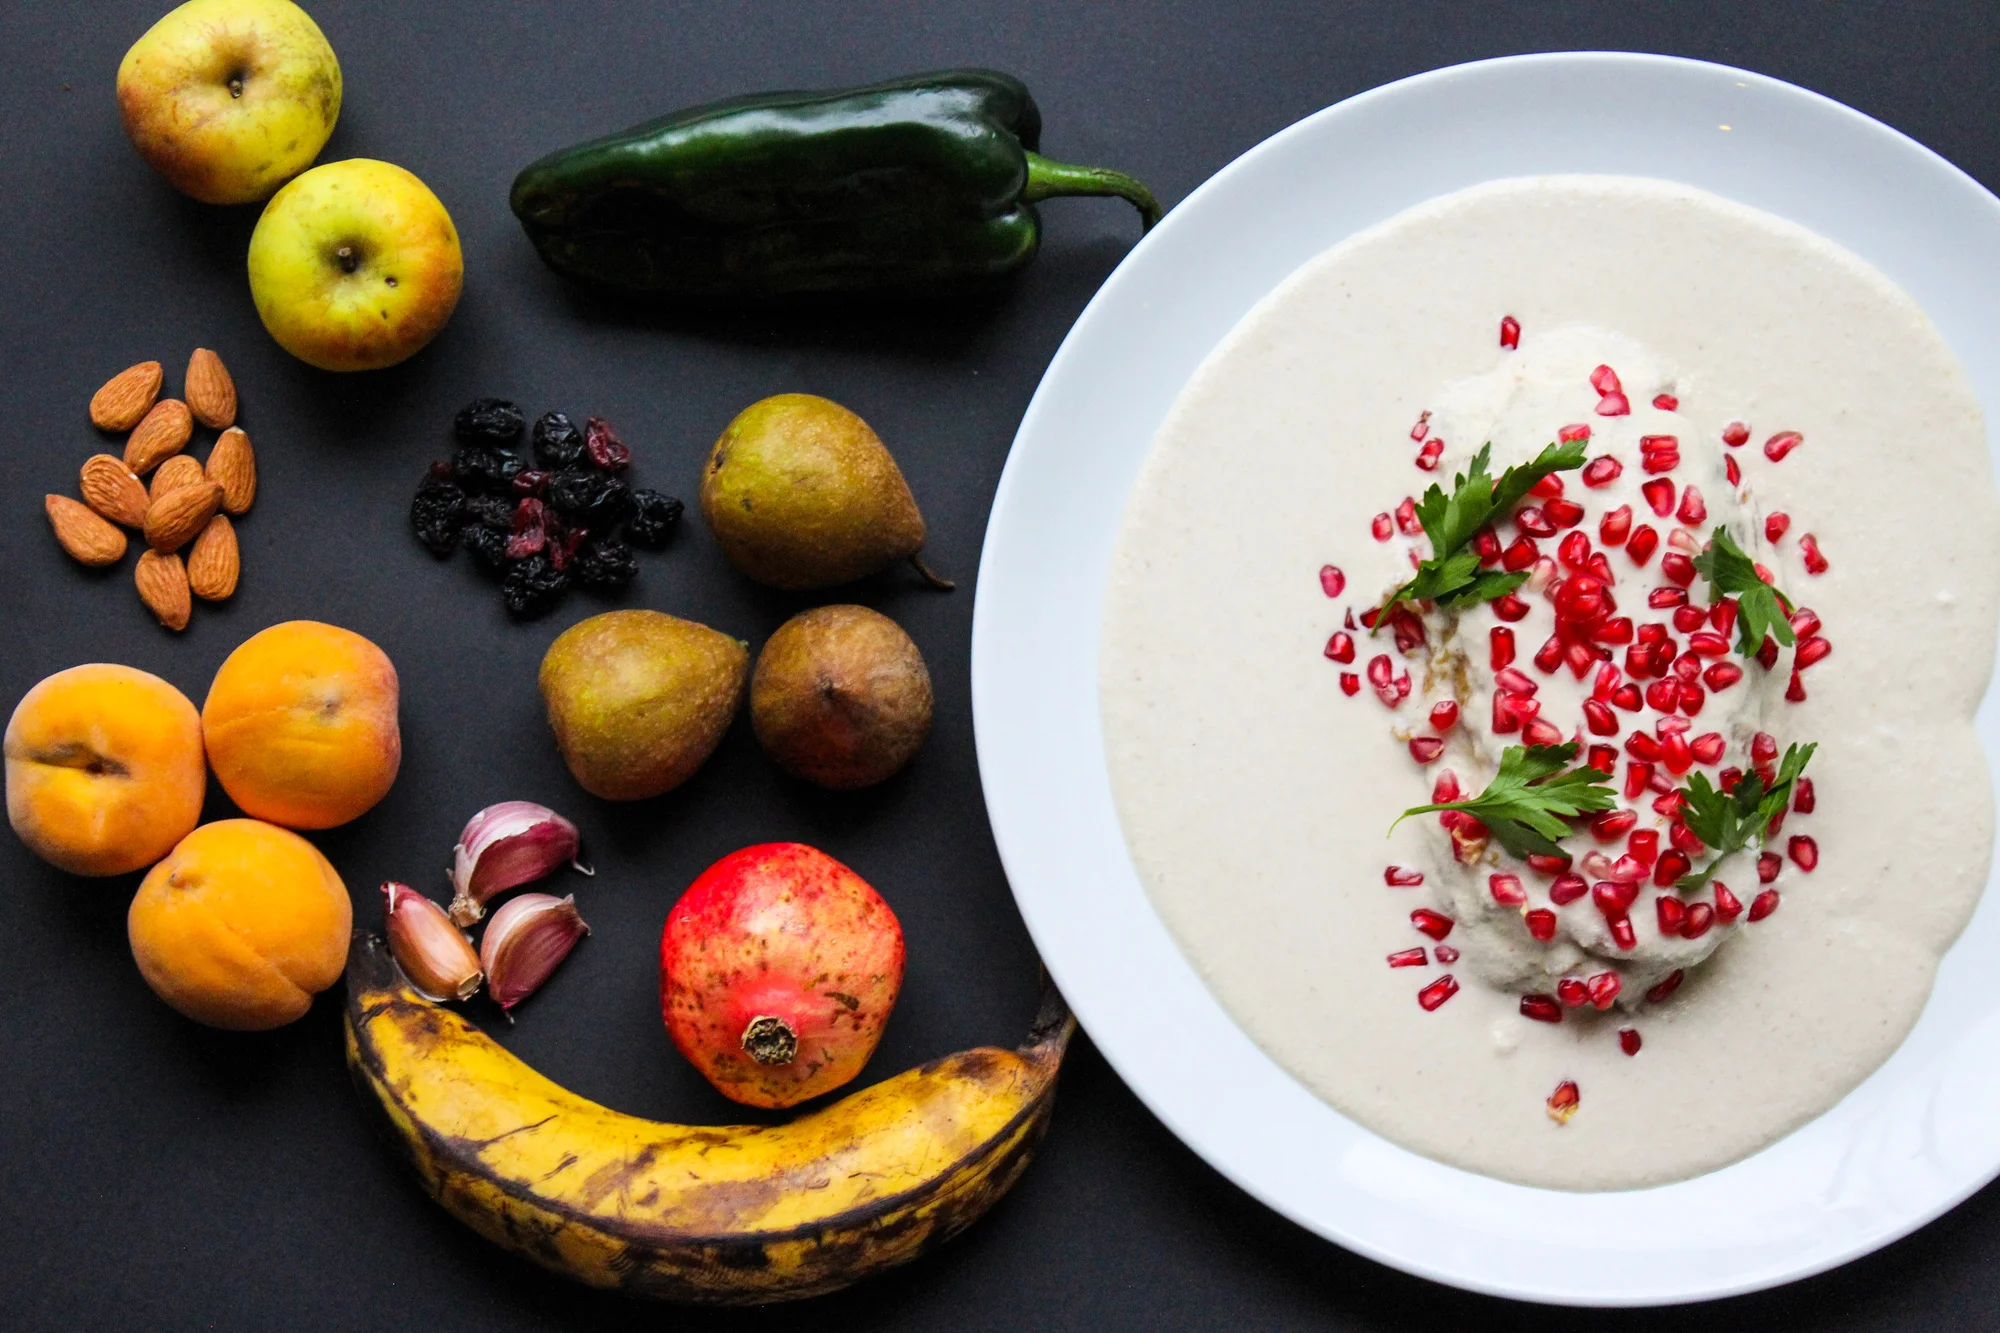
(531,482)
(530,532)
(607,451)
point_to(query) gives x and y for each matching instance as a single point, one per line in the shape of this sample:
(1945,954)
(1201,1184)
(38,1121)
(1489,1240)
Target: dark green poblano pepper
(916,187)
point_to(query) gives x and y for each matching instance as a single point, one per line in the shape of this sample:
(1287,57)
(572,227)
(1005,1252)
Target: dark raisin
(488,421)
(531,482)
(533,586)
(654,518)
(481,469)
(607,451)
(558,443)
(530,530)
(488,546)
(606,563)
(592,499)
(493,511)
(436,514)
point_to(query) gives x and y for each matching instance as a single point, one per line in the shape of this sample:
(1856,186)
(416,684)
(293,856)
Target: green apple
(355,265)
(229,99)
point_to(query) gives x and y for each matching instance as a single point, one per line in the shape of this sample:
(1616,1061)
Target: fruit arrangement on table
(779,966)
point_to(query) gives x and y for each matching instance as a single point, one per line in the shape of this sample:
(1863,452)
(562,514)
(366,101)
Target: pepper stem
(1049,180)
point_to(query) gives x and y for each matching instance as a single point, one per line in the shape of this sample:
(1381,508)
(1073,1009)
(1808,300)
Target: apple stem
(348,261)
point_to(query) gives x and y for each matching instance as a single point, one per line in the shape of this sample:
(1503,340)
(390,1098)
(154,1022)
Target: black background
(158,1175)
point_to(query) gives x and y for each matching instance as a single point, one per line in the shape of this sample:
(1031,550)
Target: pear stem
(937,581)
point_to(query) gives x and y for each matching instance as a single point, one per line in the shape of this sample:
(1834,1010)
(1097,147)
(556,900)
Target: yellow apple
(229,99)
(355,265)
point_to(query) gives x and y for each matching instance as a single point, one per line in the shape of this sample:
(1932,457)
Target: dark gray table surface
(161,1176)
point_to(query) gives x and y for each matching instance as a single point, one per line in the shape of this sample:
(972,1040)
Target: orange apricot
(104,769)
(241,925)
(301,725)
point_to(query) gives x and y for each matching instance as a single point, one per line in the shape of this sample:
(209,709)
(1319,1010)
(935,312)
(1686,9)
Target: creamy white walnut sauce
(1577,1022)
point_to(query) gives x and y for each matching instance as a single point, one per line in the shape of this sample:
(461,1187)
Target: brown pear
(840,697)
(801,494)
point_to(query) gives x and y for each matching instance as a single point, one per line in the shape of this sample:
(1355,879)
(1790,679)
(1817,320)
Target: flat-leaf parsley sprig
(1452,576)
(1760,608)
(1731,821)
(1525,804)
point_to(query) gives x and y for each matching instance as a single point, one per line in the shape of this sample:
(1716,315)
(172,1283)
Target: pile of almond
(187,502)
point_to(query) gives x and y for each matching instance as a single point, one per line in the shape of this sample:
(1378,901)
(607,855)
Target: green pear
(840,697)
(639,699)
(800,494)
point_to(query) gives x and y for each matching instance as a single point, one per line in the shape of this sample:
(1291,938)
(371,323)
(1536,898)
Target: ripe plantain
(722,1215)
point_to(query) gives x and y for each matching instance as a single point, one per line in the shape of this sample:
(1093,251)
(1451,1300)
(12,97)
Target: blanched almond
(164,433)
(163,587)
(178,471)
(126,397)
(176,518)
(211,393)
(232,465)
(214,563)
(110,488)
(82,533)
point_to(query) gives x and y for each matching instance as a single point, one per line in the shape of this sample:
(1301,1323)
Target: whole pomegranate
(778,969)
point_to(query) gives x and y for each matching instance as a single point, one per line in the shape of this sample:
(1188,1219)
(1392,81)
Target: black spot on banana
(730,1215)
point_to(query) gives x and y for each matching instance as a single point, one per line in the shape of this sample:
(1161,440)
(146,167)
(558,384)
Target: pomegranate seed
(1542,576)
(1582,600)
(1604,988)
(1599,718)
(1616,631)
(1533,522)
(1426,749)
(1603,758)
(1548,863)
(1601,471)
(1350,684)
(1731,471)
(1659,493)
(1661,598)
(1541,924)
(1627,698)
(1409,628)
(1541,731)
(1707,747)
(1641,746)
(1664,695)
(1666,402)
(1563,1101)
(1693,510)
(1572,992)
(1623,935)
(1628,1040)
(1507,890)
(1628,869)
(1596,864)
(1381,525)
(1736,435)
(1331,581)
(1340,648)
(1763,904)
(1665,460)
(1519,556)
(1721,675)
(1402,877)
(1444,716)
(1505,720)
(1689,616)
(1510,332)
(1775,526)
(1605,380)
(1699,918)
(1796,691)
(1687,667)
(1402,686)
(1574,550)
(1728,778)
(1549,656)
(1684,839)
(1541,1008)
(1675,754)
(1427,457)
(1434,924)
(1659,444)
(1368,618)
(1608,678)
(1727,905)
(1723,616)
(1613,825)
(1763,572)
(1768,865)
(1805,622)
(1612,897)
(1763,748)
(1435,994)
(1562,513)
(1669,868)
(1509,607)
(1637,775)
(1668,985)
(1804,853)
(1515,681)
(1379,667)
(1445,788)
(1683,540)
(1567,888)
(1708,644)
(1579,431)
(1678,568)
(1613,405)
(1656,633)
(1810,651)
(1643,846)
(1409,958)
(1803,800)
(1671,912)
(1406,518)
(1642,543)
(1781,444)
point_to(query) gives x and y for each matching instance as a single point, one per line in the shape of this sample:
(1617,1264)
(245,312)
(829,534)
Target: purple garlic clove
(525,941)
(505,846)
(435,957)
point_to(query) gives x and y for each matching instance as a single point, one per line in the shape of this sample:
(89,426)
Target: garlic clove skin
(525,942)
(435,956)
(505,846)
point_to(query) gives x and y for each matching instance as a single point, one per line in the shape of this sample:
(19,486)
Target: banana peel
(718,1215)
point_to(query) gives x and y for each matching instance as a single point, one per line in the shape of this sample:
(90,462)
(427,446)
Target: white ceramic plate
(1917,1137)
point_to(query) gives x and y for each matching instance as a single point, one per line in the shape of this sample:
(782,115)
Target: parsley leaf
(1760,608)
(1525,803)
(1452,576)
(1731,821)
